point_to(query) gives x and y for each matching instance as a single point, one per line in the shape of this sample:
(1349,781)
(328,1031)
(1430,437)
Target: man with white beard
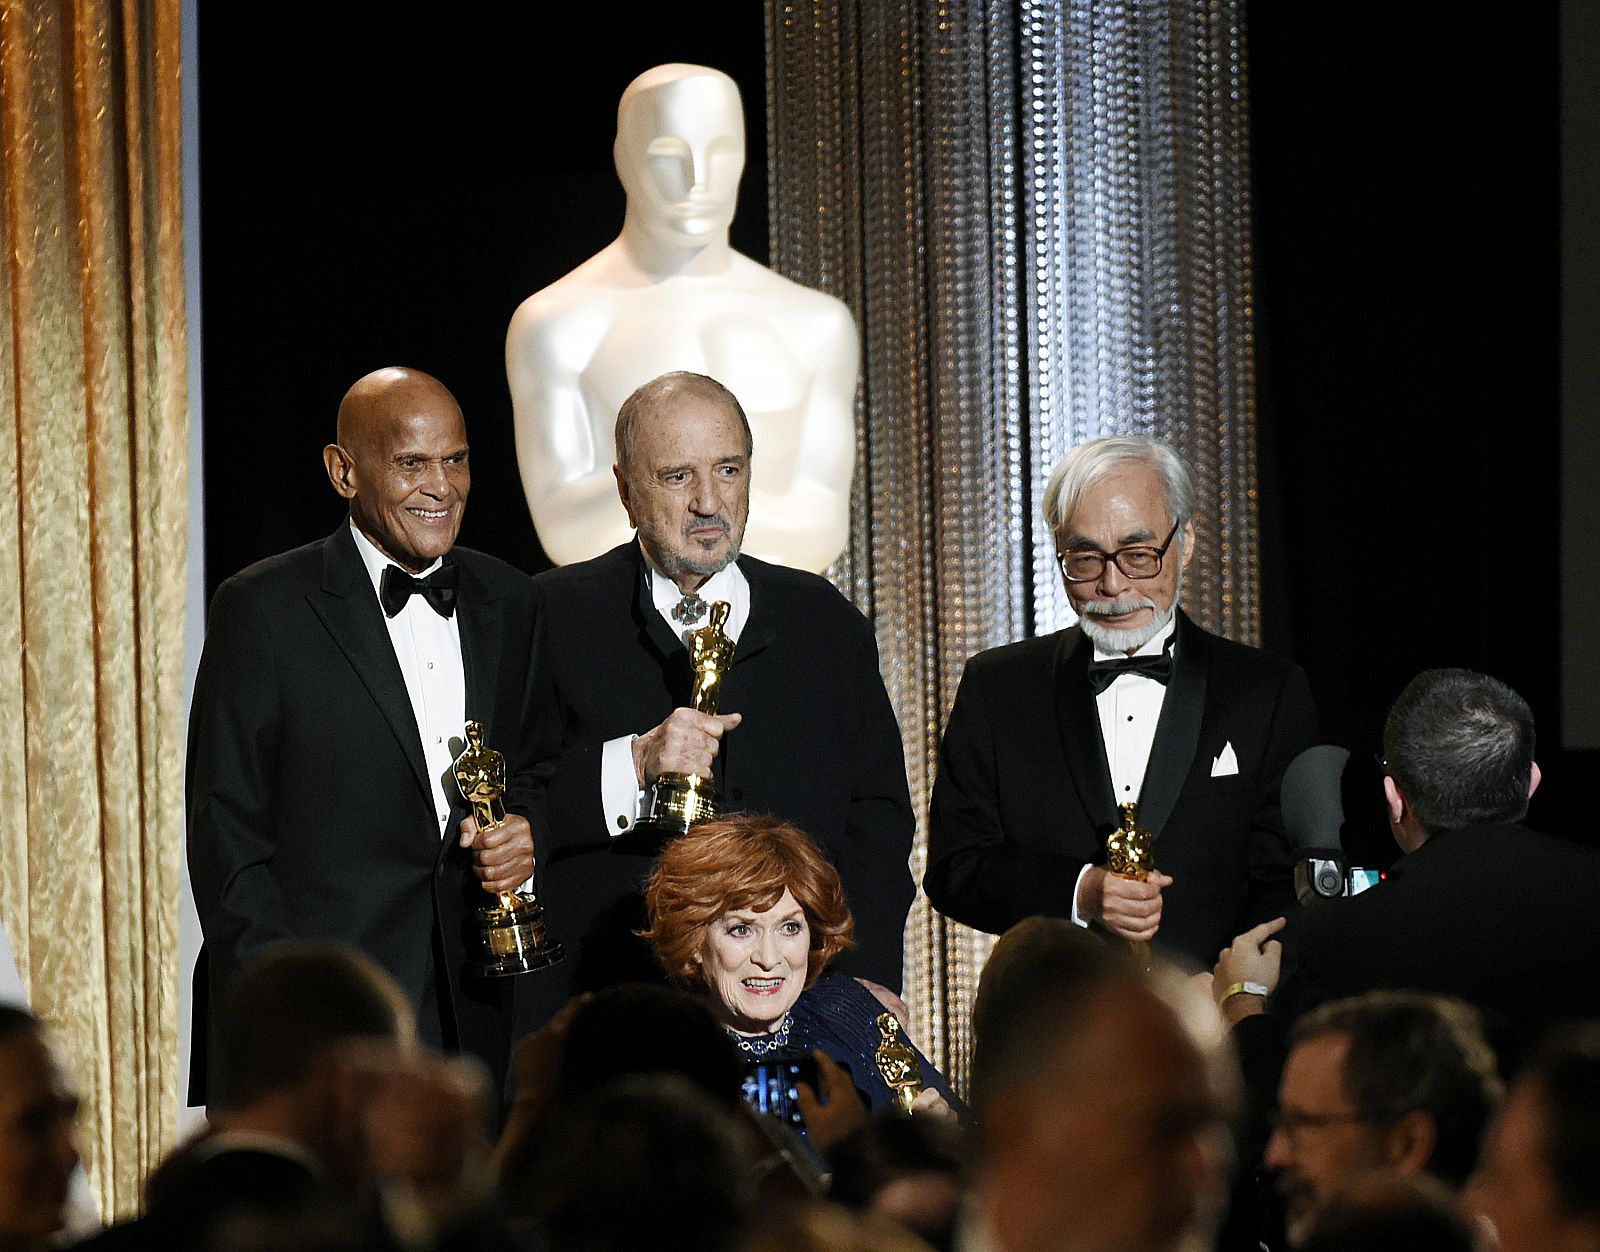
(1048,737)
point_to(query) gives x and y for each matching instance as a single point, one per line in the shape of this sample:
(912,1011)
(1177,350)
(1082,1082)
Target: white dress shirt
(1129,710)
(428,647)
(623,800)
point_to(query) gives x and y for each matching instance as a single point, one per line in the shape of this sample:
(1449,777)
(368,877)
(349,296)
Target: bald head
(400,459)
(662,398)
(683,474)
(378,398)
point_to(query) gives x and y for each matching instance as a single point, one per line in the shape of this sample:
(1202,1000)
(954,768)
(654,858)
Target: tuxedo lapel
(1178,730)
(349,610)
(1079,723)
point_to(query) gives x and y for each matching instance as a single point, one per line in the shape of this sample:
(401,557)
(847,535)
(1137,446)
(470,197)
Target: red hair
(743,862)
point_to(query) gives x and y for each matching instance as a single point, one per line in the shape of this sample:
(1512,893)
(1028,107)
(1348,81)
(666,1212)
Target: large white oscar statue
(668,294)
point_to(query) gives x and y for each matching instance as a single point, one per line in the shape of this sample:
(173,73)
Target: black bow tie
(1103,673)
(438,589)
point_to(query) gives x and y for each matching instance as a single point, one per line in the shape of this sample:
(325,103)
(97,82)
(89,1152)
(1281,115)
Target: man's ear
(622,494)
(1188,543)
(1534,778)
(1409,1144)
(341,470)
(1395,801)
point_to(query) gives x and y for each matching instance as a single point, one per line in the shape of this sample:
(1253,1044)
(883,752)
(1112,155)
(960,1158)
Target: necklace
(689,610)
(773,1042)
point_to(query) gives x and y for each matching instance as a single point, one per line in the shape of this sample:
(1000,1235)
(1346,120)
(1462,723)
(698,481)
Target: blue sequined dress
(839,1015)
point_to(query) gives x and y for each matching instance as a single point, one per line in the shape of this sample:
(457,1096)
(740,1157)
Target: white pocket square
(1226,763)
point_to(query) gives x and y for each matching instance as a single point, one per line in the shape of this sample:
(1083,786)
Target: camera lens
(1329,880)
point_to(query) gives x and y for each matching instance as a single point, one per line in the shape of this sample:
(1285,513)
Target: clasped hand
(1127,907)
(686,743)
(502,857)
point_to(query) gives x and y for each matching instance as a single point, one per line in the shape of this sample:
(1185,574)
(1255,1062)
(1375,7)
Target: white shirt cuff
(619,785)
(1078,919)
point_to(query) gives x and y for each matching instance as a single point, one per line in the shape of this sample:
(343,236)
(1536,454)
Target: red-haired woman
(746,911)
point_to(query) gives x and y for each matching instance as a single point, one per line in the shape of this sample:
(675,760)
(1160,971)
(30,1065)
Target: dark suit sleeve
(1312,968)
(577,815)
(234,726)
(978,873)
(874,857)
(1271,858)
(537,741)
(1260,1042)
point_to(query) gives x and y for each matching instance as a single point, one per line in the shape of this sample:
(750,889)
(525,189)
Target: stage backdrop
(1038,212)
(92,505)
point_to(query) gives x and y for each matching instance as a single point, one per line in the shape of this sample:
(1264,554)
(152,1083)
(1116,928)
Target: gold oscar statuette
(896,1062)
(511,929)
(1130,853)
(681,800)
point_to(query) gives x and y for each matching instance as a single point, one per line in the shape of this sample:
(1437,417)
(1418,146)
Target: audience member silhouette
(1074,1048)
(1539,1183)
(38,1149)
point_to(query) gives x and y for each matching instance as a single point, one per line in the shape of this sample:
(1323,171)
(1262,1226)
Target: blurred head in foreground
(38,1151)
(1539,1182)
(1100,1125)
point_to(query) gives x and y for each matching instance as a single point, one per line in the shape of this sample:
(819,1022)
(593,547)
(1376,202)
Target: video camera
(1313,818)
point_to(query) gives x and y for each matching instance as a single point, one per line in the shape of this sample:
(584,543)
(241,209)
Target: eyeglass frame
(1112,557)
(1291,1124)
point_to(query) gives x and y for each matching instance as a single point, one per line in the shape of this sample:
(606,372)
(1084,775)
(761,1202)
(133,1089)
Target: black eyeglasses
(1084,565)
(1292,1124)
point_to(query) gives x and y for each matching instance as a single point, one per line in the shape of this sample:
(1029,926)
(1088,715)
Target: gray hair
(1089,462)
(650,397)
(1415,1053)
(1459,745)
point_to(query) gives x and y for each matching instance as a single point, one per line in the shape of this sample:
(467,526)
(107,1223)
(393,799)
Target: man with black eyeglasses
(1392,1083)
(1048,737)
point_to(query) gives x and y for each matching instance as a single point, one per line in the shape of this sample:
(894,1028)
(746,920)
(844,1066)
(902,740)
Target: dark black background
(1406,175)
(386,192)
(380,189)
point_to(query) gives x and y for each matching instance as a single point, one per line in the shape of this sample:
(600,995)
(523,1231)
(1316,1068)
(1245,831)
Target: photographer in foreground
(1479,907)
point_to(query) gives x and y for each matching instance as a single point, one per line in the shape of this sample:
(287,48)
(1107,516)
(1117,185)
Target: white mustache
(1115,608)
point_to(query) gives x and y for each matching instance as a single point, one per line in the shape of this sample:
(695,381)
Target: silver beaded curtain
(1038,212)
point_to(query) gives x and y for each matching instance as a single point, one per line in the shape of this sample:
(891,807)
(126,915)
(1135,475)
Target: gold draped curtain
(93,506)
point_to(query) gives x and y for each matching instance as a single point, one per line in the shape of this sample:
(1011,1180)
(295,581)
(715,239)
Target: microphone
(1311,800)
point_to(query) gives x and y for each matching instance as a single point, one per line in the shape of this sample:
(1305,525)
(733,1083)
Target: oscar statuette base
(679,801)
(513,940)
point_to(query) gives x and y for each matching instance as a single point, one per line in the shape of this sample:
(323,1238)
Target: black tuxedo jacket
(310,811)
(1023,799)
(1500,916)
(819,746)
